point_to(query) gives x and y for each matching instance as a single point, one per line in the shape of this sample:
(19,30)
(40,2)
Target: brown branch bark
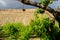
(56,14)
(45,7)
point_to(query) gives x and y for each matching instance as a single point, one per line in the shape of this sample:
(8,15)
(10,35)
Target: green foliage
(41,27)
(1,32)
(17,31)
(39,10)
(12,29)
(45,2)
(26,33)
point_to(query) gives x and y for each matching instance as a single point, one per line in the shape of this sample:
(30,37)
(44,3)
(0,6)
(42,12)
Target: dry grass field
(18,15)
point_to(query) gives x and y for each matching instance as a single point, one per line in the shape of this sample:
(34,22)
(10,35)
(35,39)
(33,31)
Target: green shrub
(13,29)
(25,35)
(17,31)
(41,27)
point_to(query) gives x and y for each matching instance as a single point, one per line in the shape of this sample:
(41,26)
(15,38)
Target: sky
(14,4)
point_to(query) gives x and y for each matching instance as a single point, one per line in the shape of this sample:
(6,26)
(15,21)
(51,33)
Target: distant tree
(45,7)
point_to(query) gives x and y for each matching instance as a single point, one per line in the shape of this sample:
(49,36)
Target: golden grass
(18,15)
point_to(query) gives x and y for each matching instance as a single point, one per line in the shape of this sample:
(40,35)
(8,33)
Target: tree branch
(45,7)
(28,2)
